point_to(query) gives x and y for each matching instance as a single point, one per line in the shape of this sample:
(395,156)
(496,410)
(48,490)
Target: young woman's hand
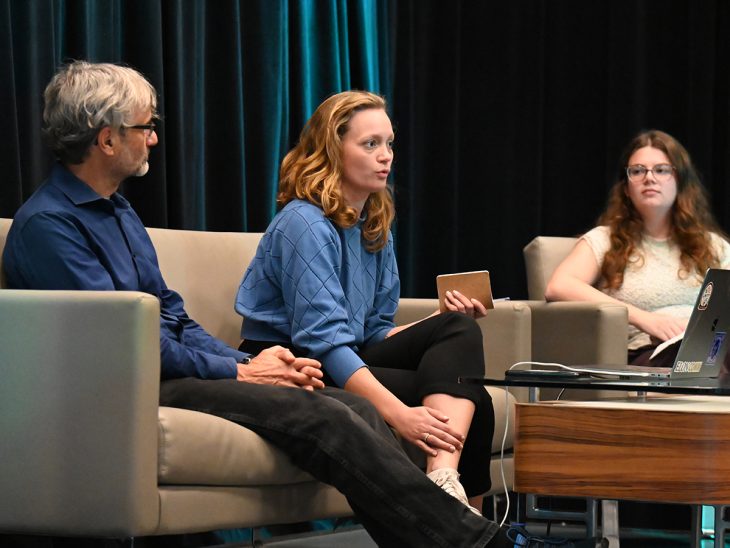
(659,326)
(457,302)
(427,429)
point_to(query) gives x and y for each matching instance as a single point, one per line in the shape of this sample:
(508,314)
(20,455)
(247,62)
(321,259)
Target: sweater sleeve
(380,319)
(306,254)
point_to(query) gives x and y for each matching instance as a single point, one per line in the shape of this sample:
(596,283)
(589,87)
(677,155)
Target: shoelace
(450,488)
(449,482)
(446,482)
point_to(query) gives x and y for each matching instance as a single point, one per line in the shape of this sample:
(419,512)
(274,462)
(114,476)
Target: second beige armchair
(572,333)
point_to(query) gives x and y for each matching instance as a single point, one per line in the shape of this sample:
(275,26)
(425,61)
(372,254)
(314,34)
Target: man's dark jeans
(340,439)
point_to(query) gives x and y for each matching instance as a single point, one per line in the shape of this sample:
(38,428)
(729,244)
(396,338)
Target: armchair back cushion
(208,286)
(542,257)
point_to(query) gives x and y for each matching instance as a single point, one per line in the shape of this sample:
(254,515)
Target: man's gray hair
(84,97)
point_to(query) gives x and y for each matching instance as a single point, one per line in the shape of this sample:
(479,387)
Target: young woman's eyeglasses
(661,172)
(147,128)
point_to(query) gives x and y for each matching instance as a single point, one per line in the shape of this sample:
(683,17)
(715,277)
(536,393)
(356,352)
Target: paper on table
(666,344)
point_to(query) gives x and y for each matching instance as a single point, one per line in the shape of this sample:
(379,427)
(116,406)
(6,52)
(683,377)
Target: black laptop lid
(705,340)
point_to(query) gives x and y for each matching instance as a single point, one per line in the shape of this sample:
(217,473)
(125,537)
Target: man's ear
(105,140)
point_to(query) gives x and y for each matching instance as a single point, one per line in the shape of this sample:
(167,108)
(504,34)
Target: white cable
(560,365)
(506,429)
(594,371)
(501,454)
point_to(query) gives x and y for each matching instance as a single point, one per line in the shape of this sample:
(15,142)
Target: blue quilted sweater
(314,285)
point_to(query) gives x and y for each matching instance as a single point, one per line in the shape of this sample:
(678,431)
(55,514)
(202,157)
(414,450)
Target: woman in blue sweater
(324,282)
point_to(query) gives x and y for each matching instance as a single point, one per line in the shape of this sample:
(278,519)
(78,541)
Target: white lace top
(653,280)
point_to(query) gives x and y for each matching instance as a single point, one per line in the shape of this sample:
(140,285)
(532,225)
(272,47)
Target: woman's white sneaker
(448,480)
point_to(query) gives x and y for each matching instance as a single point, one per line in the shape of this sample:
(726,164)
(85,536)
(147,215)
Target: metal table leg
(720,526)
(609,529)
(696,526)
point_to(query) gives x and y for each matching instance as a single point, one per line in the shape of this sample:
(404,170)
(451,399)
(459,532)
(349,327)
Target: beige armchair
(86,447)
(570,332)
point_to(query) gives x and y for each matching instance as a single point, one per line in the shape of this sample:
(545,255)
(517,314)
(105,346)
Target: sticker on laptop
(705,298)
(715,349)
(683,366)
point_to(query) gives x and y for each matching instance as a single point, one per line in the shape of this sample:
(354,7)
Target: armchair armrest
(79,402)
(579,333)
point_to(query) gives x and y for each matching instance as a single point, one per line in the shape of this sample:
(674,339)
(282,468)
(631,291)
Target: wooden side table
(665,448)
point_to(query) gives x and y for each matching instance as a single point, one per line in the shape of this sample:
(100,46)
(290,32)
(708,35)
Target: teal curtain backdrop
(236,79)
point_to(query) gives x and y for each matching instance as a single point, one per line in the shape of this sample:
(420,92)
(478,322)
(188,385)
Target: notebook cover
(474,285)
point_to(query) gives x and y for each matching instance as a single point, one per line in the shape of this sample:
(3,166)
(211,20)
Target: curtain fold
(237,79)
(511,118)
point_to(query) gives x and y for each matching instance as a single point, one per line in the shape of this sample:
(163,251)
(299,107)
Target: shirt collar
(78,191)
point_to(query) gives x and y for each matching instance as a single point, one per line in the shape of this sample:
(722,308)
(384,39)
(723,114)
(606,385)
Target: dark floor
(642,526)
(351,537)
(641,538)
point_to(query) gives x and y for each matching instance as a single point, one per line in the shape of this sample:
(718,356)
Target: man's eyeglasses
(147,128)
(662,172)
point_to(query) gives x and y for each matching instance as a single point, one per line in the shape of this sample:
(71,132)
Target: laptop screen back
(705,341)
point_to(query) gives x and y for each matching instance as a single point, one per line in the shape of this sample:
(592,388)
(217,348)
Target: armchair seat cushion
(200,449)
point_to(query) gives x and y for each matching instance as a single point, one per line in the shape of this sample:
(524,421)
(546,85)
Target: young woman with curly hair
(652,247)
(324,283)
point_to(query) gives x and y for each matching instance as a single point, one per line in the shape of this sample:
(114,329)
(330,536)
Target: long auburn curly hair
(691,220)
(312,170)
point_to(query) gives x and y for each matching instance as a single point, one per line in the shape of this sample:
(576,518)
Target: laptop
(703,347)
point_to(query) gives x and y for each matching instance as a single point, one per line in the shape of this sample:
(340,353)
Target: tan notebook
(474,285)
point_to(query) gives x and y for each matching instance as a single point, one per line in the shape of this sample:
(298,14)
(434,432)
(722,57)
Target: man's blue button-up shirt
(66,236)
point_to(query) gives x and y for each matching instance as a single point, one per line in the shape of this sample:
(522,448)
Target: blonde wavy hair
(691,220)
(312,170)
